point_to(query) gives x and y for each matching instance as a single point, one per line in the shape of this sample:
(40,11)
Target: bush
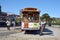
(18,21)
(55,23)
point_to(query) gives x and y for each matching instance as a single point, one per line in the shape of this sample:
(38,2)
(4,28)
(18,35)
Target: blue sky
(52,7)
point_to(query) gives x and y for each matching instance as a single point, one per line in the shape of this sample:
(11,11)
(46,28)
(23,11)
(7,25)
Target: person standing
(8,24)
(43,24)
(13,22)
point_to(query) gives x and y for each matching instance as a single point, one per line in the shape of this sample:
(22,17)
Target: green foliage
(18,20)
(45,16)
(55,23)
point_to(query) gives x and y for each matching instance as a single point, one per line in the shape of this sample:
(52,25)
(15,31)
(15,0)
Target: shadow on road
(17,28)
(45,32)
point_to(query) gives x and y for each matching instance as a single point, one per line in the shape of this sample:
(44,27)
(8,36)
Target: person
(8,24)
(43,24)
(13,22)
(29,19)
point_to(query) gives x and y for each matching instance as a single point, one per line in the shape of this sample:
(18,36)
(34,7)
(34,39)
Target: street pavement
(4,32)
(50,33)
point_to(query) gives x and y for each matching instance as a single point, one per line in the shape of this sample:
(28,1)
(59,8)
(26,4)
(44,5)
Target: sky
(52,7)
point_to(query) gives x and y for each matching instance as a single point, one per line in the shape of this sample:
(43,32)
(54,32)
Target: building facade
(3,16)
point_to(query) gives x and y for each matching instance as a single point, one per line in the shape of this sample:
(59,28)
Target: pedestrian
(8,24)
(43,24)
(13,22)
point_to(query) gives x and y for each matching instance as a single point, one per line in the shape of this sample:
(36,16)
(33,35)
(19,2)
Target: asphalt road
(4,32)
(50,33)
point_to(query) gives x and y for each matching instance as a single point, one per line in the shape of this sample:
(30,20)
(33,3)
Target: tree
(46,16)
(18,21)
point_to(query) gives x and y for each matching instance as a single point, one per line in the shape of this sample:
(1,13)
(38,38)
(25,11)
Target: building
(13,17)
(3,16)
